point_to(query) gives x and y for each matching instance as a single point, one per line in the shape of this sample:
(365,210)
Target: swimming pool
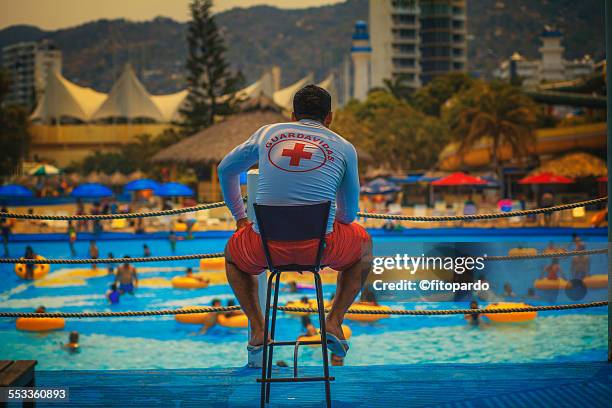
(161,342)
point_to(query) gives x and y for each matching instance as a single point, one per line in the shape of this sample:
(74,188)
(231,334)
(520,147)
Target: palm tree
(496,111)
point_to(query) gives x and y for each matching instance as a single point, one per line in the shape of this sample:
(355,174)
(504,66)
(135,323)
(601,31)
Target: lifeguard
(300,162)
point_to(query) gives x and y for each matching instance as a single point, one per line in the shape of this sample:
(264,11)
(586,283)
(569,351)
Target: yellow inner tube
(40,270)
(596,281)
(238,321)
(40,323)
(184,282)
(509,317)
(522,251)
(367,317)
(212,264)
(194,318)
(550,284)
(312,303)
(317,337)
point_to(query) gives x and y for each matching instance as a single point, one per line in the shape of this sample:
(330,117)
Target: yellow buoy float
(522,252)
(550,284)
(185,282)
(235,321)
(39,324)
(312,303)
(214,264)
(193,318)
(596,281)
(517,317)
(40,270)
(367,317)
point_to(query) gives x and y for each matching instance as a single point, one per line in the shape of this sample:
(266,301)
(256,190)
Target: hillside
(301,41)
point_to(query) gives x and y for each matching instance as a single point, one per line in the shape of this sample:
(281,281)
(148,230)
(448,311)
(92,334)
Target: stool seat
(278,223)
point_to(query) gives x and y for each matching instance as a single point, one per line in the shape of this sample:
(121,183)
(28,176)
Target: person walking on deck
(300,162)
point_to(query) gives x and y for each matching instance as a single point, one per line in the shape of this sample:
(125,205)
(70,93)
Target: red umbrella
(459,179)
(603,179)
(546,178)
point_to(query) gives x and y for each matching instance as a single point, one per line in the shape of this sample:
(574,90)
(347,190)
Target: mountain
(300,41)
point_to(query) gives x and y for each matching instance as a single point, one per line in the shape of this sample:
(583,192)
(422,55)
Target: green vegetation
(14,136)
(430,98)
(209,77)
(394,133)
(494,110)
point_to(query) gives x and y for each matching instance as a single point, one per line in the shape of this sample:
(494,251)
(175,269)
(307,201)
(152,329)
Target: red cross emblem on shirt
(296,154)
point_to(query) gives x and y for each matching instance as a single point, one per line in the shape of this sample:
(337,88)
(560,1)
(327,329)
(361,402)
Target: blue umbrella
(141,184)
(15,190)
(380,186)
(174,190)
(409,179)
(91,190)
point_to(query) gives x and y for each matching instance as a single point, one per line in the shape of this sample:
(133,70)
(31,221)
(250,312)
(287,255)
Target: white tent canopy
(284,97)
(63,99)
(169,105)
(329,84)
(128,99)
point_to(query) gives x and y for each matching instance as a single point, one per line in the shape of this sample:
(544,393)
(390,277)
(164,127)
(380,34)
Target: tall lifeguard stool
(292,223)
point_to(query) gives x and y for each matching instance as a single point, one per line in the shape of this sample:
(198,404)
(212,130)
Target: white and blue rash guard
(299,163)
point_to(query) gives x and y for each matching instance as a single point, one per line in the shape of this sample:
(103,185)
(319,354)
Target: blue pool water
(160,342)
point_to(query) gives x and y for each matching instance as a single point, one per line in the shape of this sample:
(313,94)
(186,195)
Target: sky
(54,14)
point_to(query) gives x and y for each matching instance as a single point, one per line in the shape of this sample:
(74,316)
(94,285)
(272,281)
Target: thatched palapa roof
(575,165)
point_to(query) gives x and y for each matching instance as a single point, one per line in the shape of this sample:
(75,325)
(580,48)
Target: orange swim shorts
(343,247)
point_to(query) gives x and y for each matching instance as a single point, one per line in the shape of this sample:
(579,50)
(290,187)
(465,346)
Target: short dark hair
(312,102)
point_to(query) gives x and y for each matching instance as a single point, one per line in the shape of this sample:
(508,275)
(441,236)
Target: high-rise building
(27,64)
(416,40)
(443,37)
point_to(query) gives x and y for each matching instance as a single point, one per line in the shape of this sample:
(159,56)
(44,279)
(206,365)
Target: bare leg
(349,284)
(245,288)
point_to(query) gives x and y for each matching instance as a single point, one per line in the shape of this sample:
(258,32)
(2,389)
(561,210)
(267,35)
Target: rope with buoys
(84,261)
(81,315)
(437,218)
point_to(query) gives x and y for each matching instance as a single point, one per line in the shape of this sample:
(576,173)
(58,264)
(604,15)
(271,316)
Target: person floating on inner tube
(211,319)
(231,303)
(310,329)
(553,270)
(41,309)
(29,254)
(189,274)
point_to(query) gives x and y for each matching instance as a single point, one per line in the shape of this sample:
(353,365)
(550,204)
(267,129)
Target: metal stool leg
(321,309)
(264,371)
(272,330)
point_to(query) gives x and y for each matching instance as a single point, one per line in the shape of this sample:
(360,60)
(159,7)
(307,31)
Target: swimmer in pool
(211,318)
(189,274)
(553,270)
(310,329)
(41,309)
(473,318)
(126,277)
(73,343)
(113,294)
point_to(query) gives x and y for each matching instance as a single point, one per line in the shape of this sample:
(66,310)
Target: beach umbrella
(15,190)
(44,170)
(91,190)
(409,179)
(602,179)
(545,178)
(379,186)
(141,184)
(459,179)
(173,189)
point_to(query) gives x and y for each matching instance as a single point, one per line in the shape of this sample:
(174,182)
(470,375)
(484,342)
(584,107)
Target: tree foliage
(395,134)
(494,110)
(431,98)
(14,136)
(209,77)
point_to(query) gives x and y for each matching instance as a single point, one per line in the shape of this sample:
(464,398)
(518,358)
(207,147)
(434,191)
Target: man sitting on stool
(300,162)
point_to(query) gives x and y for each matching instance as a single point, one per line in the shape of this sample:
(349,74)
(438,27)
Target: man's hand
(243,222)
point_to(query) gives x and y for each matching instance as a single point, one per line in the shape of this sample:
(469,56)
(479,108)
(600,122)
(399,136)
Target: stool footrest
(294,379)
(293,343)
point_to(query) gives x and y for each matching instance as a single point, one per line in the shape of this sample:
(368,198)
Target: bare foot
(334,328)
(256,338)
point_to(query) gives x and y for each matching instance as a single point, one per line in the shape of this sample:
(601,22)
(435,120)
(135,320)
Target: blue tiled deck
(580,384)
